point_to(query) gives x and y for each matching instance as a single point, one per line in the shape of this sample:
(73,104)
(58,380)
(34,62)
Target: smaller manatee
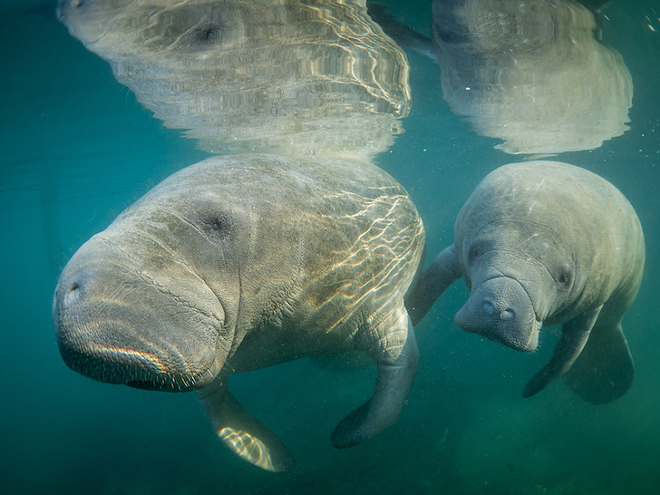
(546,243)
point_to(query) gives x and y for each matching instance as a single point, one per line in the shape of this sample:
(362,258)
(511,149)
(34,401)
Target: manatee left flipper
(390,393)
(574,336)
(604,370)
(241,432)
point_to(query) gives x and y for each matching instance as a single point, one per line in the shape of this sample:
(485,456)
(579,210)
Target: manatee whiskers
(151,361)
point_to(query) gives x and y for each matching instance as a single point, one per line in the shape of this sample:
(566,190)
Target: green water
(76,149)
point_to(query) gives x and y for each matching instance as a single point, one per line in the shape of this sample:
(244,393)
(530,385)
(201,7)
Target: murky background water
(76,149)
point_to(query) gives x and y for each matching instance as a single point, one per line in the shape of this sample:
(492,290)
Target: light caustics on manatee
(383,238)
(247,447)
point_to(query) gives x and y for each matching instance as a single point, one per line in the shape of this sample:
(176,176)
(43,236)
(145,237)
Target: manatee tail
(241,432)
(605,369)
(431,283)
(390,393)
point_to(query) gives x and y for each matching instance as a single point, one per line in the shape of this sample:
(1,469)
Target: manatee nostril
(507,314)
(72,294)
(503,314)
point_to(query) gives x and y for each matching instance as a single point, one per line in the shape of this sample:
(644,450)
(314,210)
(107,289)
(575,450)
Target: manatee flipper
(575,334)
(604,370)
(390,393)
(241,432)
(431,283)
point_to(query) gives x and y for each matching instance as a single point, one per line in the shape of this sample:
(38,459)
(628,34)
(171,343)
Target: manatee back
(324,247)
(560,196)
(545,191)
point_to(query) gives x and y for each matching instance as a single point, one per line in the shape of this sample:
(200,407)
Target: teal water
(76,149)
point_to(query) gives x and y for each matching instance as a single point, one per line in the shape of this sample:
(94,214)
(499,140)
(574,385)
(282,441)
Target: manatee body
(546,243)
(237,263)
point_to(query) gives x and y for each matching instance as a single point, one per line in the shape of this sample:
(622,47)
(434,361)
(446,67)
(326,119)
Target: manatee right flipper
(241,432)
(604,370)
(431,283)
(390,393)
(574,337)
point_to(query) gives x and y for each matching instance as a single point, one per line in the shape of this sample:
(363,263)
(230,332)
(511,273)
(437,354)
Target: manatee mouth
(501,310)
(153,386)
(153,373)
(146,370)
(128,341)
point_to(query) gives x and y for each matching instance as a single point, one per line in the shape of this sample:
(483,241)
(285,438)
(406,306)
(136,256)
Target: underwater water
(76,148)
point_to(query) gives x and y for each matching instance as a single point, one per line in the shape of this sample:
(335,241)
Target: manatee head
(137,304)
(520,274)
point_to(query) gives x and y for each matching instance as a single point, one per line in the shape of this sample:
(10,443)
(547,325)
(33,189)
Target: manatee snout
(501,310)
(116,326)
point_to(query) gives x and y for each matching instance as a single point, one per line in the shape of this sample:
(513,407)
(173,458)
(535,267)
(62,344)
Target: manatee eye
(216,227)
(209,33)
(201,38)
(474,252)
(565,278)
(212,218)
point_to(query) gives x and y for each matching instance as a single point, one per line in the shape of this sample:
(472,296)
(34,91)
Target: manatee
(241,262)
(546,243)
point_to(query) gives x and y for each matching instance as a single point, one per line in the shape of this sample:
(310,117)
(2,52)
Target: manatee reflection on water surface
(291,78)
(532,73)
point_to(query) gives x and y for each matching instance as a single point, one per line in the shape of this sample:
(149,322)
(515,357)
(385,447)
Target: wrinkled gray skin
(237,263)
(546,243)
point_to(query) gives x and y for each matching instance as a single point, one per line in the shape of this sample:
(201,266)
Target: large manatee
(237,263)
(546,243)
